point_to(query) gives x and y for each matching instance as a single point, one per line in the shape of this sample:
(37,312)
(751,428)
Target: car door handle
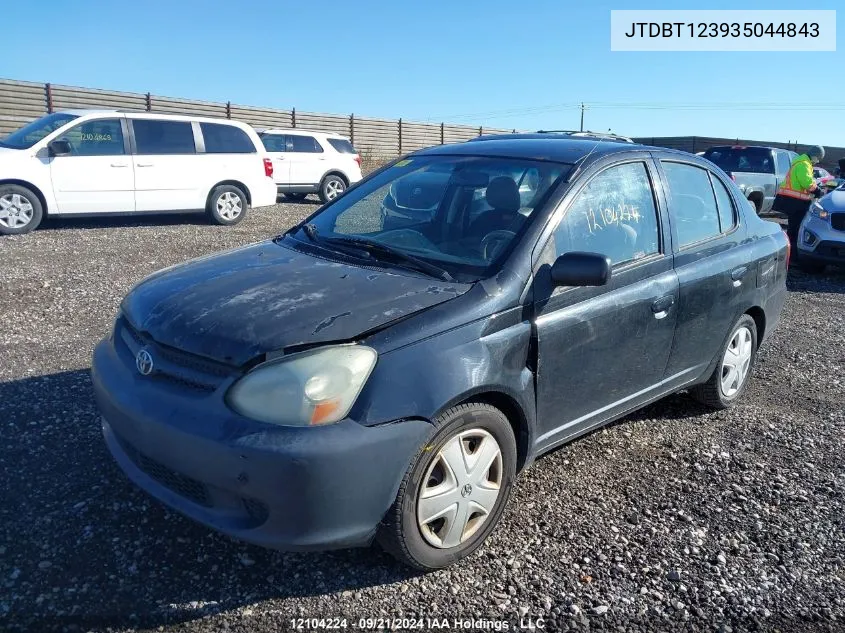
(144,164)
(737,274)
(119,165)
(661,306)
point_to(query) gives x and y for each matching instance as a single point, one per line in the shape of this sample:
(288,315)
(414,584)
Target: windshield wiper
(377,250)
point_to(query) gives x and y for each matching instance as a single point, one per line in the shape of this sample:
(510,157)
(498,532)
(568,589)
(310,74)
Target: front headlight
(314,387)
(819,211)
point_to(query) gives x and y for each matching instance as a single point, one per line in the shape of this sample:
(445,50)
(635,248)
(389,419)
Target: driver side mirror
(581,269)
(59,148)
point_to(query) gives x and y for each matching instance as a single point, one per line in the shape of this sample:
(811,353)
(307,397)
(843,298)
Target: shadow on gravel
(83,547)
(831,281)
(126,221)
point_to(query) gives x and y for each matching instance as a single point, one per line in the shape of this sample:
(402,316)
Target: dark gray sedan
(383,370)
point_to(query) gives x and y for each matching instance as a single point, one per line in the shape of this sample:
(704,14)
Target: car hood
(235,306)
(834,201)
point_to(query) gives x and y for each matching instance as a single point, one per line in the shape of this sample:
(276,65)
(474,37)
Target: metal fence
(695,144)
(23,101)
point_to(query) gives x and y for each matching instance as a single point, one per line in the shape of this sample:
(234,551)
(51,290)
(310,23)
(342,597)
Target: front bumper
(278,487)
(819,242)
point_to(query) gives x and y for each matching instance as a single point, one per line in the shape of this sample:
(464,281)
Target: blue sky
(501,63)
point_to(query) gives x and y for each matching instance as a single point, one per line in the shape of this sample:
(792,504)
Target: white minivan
(311,162)
(93,162)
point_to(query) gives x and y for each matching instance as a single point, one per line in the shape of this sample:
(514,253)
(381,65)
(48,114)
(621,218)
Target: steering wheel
(498,239)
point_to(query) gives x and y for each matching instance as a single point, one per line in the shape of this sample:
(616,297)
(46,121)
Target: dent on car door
(712,264)
(603,350)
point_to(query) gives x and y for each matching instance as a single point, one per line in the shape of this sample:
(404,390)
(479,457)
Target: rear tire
(810,267)
(295,196)
(469,497)
(20,210)
(331,187)
(724,388)
(755,204)
(227,205)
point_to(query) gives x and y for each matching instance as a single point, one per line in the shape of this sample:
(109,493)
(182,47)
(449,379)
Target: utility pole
(583,107)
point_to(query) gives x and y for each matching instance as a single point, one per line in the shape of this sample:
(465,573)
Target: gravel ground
(674,519)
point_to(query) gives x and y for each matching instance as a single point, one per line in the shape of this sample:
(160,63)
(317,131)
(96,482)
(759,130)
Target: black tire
(295,196)
(810,267)
(401,535)
(331,187)
(222,196)
(755,204)
(711,392)
(21,202)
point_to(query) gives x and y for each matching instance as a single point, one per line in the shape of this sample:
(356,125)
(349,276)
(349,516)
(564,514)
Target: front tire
(227,205)
(455,491)
(730,378)
(331,187)
(20,210)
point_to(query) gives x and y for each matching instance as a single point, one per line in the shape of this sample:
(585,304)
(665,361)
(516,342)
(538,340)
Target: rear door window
(225,139)
(783,162)
(163,137)
(742,159)
(308,144)
(274,142)
(693,204)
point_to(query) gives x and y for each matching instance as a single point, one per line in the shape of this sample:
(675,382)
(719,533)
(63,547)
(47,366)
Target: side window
(614,215)
(163,137)
(693,205)
(727,217)
(225,139)
(274,142)
(783,163)
(102,137)
(297,143)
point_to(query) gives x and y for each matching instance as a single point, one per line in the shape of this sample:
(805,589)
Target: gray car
(821,238)
(756,170)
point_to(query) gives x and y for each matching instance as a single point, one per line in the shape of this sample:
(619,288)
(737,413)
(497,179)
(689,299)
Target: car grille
(191,489)
(837,221)
(181,484)
(172,365)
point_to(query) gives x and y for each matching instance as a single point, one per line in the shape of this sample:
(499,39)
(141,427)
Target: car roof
(143,114)
(544,147)
(300,131)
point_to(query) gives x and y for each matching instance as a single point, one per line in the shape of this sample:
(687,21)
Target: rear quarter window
(342,145)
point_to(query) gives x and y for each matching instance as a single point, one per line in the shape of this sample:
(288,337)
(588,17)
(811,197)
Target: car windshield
(742,159)
(30,134)
(460,214)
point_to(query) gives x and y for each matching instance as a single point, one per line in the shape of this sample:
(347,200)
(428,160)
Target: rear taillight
(358,159)
(268,167)
(788,249)
(733,177)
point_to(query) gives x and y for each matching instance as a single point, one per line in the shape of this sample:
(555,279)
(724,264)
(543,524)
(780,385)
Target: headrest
(503,194)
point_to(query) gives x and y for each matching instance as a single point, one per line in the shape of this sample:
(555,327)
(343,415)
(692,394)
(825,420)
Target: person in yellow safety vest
(795,193)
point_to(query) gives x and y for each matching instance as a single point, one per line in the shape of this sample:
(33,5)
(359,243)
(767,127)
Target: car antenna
(581,162)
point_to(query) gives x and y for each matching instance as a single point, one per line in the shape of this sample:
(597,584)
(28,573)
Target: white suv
(92,162)
(311,162)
